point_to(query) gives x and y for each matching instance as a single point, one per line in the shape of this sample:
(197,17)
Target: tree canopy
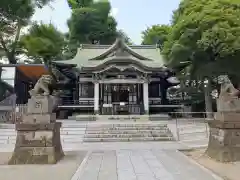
(205,42)
(205,33)
(91,22)
(43,42)
(157,34)
(13,16)
(74,4)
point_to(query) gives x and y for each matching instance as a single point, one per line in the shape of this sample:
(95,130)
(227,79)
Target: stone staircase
(82,117)
(86,117)
(74,133)
(127,132)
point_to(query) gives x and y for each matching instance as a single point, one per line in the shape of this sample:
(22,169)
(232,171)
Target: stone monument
(38,135)
(224,139)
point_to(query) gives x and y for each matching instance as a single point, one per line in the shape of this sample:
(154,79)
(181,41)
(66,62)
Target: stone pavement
(142,164)
(63,170)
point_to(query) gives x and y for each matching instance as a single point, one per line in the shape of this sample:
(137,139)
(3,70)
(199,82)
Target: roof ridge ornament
(120,45)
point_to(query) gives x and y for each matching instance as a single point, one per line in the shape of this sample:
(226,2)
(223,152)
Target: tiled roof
(87,55)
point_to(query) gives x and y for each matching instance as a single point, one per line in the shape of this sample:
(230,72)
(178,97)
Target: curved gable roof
(93,55)
(120,45)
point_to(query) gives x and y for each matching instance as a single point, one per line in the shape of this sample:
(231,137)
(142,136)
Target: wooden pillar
(145,97)
(96,97)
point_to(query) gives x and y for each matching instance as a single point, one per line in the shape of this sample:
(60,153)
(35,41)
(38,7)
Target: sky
(133,16)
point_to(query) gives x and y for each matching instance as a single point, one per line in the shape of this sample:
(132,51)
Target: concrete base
(35,155)
(224,139)
(37,144)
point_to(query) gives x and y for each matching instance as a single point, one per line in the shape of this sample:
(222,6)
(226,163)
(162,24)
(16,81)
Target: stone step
(82,118)
(197,131)
(7,129)
(72,132)
(192,127)
(73,129)
(8,137)
(63,140)
(73,126)
(193,137)
(127,139)
(127,131)
(70,136)
(72,141)
(7,126)
(63,132)
(122,117)
(7,133)
(126,135)
(10,141)
(159,117)
(128,125)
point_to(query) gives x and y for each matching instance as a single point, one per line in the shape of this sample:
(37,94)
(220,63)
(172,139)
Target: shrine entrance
(121,99)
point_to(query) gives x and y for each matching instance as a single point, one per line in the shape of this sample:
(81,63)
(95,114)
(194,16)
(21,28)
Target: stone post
(224,139)
(96,98)
(145,97)
(38,135)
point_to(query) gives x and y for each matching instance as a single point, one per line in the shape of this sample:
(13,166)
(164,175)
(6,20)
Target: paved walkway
(142,164)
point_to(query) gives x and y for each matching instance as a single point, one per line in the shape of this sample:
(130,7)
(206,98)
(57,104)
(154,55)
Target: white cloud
(114,12)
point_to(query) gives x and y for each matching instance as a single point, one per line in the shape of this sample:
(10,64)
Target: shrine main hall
(118,79)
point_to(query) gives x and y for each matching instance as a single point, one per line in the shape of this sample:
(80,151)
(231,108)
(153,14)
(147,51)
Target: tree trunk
(48,64)
(208,98)
(11,58)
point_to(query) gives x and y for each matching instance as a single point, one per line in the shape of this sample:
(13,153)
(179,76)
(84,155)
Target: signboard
(107,105)
(122,103)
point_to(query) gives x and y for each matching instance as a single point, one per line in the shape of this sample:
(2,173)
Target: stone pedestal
(224,139)
(38,136)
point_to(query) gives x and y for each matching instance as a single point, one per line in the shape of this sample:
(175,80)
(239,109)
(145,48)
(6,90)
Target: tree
(43,42)
(125,37)
(205,37)
(157,34)
(75,4)
(13,16)
(90,22)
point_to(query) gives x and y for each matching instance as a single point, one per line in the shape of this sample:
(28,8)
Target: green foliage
(15,14)
(43,41)
(205,41)
(157,34)
(74,4)
(85,24)
(90,23)
(41,3)
(206,33)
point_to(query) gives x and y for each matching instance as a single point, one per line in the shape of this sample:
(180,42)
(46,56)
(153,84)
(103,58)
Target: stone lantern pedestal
(224,139)
(38,135)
